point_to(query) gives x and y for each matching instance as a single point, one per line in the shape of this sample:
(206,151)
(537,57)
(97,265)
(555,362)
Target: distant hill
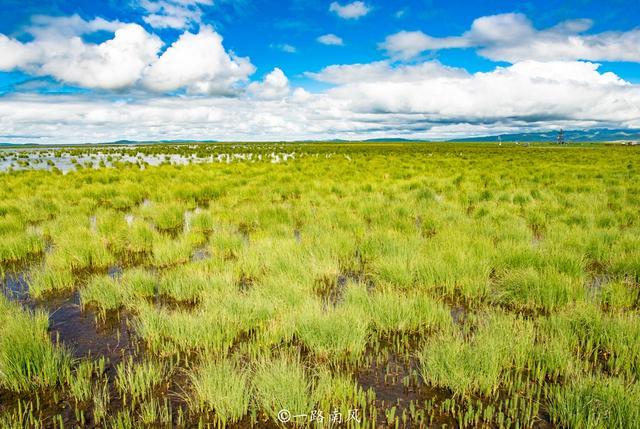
(135,142)
(594,135)
(391,139)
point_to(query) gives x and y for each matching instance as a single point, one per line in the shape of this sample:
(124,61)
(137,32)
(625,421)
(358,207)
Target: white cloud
(64,27)
(405,45)
(114,64)
(59,51)
(199,63)
(527,92)
(275,85)
(419,101)
(353,10)
(384,71)
(330,39)
(511,37)
(15,54)
(285,47)
(177,14)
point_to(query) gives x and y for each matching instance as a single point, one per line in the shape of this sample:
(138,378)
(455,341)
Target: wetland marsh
(265,285)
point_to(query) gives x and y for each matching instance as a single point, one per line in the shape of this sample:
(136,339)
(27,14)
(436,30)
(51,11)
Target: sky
(81,71)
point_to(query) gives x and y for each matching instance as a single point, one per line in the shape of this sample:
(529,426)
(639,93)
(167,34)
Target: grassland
(417,285)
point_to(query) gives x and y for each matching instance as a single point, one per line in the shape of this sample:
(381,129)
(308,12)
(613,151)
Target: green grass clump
(605,340)
(620,296)
(79,381)
(530,289)
(50,279)
(221,386)
(184,284)
(80,249)
(282,383)
(168,252)
(28,359)
(335,333)
(337,392)
(169,217)
(477,364)
(139,238)
(202,222)
(139,283)
(169,332)
(595,403)
(395,312)
(137,380)
(104,292)
(16,247)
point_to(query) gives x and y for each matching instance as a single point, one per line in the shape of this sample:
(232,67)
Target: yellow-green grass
(28,359)
(493,285)
(222,387)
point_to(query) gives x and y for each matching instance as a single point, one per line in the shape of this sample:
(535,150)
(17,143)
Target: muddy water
(80,331)
(394,377)
(84,334)
(386,380)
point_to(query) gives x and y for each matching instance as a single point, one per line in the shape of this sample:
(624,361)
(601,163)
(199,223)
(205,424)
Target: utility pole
(561,136)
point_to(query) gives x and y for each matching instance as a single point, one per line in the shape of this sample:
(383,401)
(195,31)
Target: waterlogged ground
(65,159)
(323,285)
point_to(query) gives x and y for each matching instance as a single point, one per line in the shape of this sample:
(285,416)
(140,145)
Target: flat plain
(268,285)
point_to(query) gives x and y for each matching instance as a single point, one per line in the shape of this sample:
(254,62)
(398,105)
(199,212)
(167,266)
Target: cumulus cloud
(512,37)
(58,50)
(353,10)
(394,100)
(527,92)
(275,85)
(330,39)
(199,63)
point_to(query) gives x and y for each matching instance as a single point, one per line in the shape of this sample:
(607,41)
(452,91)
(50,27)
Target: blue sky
(292,69)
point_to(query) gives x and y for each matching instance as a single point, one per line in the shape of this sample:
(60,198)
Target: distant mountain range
(592,135)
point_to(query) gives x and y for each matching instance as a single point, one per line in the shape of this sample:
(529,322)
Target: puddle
(331,290)
(15,286)
(114,272)
(101,157)
(595,283)
(245,282)
(200,254)
(85,334)
(14,279)
(459,314)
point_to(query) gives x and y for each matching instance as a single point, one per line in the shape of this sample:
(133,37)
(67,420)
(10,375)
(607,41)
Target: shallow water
(84,334)
(39,159)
